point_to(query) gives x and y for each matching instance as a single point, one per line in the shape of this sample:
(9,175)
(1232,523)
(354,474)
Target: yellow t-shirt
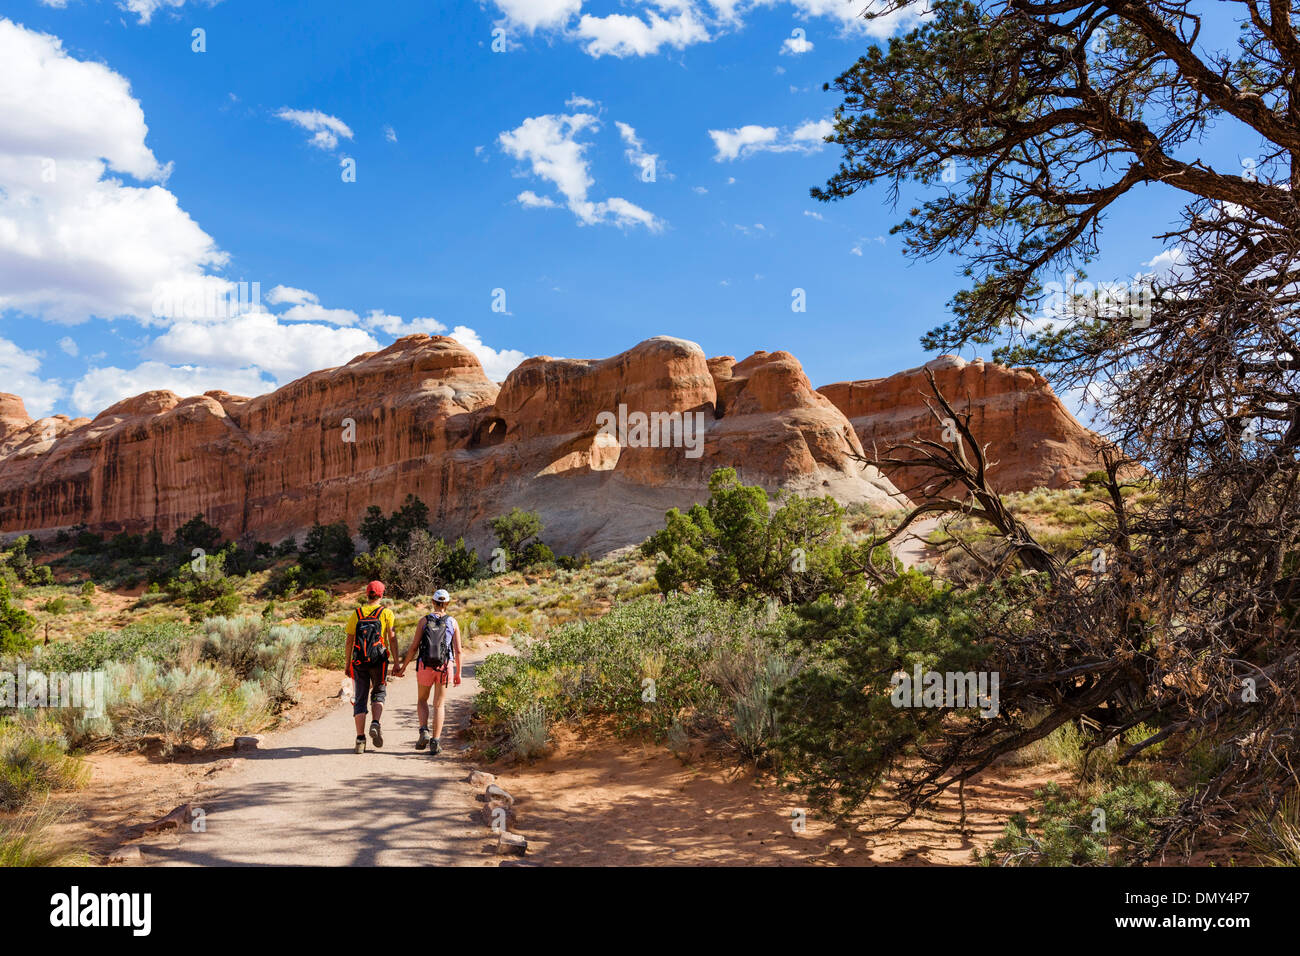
(385,619)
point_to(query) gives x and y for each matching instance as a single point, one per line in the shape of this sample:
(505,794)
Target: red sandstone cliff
(1034,439)
(420,417)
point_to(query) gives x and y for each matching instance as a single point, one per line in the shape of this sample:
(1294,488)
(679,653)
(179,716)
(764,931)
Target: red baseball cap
(375,589)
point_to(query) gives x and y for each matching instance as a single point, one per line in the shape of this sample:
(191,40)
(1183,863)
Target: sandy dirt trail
(305,798)
(910,548)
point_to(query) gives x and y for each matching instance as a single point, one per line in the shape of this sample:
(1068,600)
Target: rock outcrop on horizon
(1027,431)
(420,417)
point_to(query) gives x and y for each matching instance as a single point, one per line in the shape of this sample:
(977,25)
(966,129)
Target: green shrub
(34,761)
(28,840)
(227,605)
(643,664)
(86,542)
(461,565)
(528,732)
(177,706)
(1069,831)
(15,624)
(1273,833)
(201,580)
(286,582)
(514,530)
(233,642)
(1078,750)
(736,544)
(535,555)
(316,604)
(41,575)
(20,562)
(327,548)
(279,663)
(841,733)
(124,546)
(325,645)
(377,564)
(1094,479)
(251,648)
(159,641)
(489,622)
(88,589)
(197,533)
(17,559)
(569,562)
(751,676)
(411,517)
(58,605)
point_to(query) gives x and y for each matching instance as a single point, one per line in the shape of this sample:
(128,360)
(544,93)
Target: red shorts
(428,677)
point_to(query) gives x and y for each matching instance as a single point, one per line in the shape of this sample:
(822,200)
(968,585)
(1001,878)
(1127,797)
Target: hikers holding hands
(369,650)
(437,645)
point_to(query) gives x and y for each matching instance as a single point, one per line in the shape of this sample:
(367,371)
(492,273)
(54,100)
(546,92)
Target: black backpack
(435,642)
(368,648)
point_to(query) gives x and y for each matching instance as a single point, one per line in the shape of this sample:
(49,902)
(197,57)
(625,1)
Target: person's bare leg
(361,724)
(439,709)
(422,705)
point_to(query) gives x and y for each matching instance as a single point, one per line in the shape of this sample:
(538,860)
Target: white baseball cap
(441,597)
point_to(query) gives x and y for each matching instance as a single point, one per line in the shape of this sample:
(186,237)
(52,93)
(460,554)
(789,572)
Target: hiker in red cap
(369,649)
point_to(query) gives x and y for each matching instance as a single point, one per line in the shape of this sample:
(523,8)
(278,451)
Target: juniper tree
(1026,125)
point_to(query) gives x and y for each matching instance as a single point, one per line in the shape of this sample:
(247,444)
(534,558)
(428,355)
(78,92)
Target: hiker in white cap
(436,648)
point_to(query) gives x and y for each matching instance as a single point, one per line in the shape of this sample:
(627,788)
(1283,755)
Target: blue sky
(619,171)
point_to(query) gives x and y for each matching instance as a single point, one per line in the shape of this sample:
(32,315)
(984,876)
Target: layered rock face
(600,448)
(1034,439)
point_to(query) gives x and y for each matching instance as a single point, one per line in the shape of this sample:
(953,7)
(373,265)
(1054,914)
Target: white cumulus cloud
(77,241)
(533,15)
(653,26)
(497,364)
(304,306)
(549,145)
(144,9)
(744,141)
(283,350)
(249,354)
(326,129)
(101,387)
(397,327)
(20,375)
(621,35)
(530,200)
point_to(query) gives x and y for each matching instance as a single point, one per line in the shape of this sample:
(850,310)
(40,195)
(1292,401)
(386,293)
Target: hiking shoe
(424,739)
(376,734)
(361,745)
(434,748)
